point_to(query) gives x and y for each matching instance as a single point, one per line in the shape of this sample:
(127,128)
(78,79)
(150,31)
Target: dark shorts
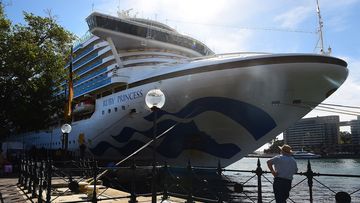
(282,187)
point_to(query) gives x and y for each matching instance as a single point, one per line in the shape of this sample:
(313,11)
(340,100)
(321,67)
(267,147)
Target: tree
(345,137)
(274,147)
(32,60)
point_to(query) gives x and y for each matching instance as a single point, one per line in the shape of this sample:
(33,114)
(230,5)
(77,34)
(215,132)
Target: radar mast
(320,32)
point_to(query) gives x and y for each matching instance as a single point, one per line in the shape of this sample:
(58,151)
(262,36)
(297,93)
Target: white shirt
(285,166)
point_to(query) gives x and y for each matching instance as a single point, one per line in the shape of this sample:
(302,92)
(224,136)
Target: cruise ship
(218,107)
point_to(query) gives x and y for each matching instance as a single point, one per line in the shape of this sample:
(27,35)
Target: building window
(115,109)
(109,110)
(103,112)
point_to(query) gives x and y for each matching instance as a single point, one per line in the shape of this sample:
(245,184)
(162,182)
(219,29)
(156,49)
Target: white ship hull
(223,109)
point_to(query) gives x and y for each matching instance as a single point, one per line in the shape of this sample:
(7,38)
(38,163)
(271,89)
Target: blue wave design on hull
(254,119)
(183,136)
(188,136)
(100,148)
(127,132)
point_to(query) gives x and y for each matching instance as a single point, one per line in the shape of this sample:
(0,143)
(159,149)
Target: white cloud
(235,41)
(211,21)
(294,17)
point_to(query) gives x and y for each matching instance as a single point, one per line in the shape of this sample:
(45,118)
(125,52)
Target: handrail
(188,185)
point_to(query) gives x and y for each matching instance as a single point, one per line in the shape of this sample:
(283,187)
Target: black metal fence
(190,183)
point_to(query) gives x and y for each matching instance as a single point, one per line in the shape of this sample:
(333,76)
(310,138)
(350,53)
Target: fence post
(31,176)
(219,172)
(94,197)
(1,198)
(35,178)
(26,172)
(41,172)
(153,183)
(259,173)
(48,180)
(21,172)
(310,175)
(133,179)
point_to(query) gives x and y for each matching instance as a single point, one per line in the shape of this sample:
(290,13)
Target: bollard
(165,194)
(48,180)
(190,188)
(310,175)
(259,173)
(133,191)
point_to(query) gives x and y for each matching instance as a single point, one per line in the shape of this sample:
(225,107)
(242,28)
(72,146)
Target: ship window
(109,110)
(115,109)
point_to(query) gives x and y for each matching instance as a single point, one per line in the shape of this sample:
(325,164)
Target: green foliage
(344,137)
(32,60)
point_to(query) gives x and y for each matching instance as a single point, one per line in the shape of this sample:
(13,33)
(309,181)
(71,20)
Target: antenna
(320,31)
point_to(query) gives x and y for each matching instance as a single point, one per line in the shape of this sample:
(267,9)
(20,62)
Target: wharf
(10,191)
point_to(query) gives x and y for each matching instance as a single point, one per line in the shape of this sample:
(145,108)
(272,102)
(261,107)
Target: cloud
(235,41)
(294,17)
(211,21)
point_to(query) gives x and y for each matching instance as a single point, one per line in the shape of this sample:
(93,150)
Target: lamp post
(65,129)
(155,100)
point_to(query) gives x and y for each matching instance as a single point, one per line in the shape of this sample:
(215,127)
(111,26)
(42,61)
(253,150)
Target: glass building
(315,133)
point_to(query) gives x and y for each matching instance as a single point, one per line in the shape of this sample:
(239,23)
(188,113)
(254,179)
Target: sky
(275,26)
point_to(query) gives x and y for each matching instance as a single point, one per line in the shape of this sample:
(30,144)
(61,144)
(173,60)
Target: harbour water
(300,193)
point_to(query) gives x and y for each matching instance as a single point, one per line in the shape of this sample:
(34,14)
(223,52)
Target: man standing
(282,167)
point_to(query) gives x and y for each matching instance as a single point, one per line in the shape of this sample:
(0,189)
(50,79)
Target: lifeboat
(84,107)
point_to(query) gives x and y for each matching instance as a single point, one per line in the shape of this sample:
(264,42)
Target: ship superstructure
(218,107)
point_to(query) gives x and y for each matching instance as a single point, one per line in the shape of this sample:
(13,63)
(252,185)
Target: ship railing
(228,55)
(224,55)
